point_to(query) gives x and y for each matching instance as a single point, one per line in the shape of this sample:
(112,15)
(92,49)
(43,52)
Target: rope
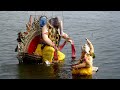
(35,14)
(52,13)
(68,34)
(63,18)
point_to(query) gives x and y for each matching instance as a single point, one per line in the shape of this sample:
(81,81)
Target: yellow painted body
(48,53)
(82,71)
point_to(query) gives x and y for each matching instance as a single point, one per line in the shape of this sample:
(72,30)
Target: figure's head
(54,22)
(43,20)
(86,49)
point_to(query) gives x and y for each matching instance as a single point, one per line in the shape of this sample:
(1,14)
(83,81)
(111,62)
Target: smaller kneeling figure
(85,64)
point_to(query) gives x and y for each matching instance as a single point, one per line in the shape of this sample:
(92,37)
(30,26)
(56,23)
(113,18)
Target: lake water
(101,27)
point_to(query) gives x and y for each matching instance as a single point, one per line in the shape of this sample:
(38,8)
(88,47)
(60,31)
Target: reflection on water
(38,71)
(82,77)
(41,71)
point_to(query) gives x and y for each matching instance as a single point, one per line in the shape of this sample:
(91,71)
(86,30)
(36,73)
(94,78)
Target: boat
(28,41)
